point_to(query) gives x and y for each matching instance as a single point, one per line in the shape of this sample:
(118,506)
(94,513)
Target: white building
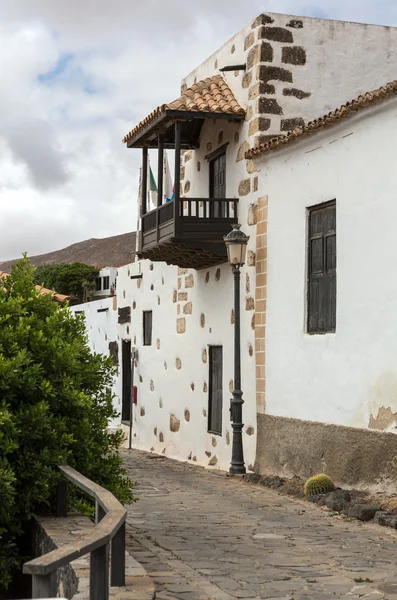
(331,326)
(105,283)
(274,75)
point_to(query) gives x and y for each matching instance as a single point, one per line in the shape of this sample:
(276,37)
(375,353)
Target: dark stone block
(271,482)
(318,499)
(276,34)
(386,519)
(269,106)
(259,53)
(262,20)
(295,24)
(290,124)
(265,88)
(300,94)
(263,124)
(293,55)
(266,52)
(336,500)
(363,512)
(274,74)
(253,477)
(262,139)
(114,352)
(268,88)
(125,314)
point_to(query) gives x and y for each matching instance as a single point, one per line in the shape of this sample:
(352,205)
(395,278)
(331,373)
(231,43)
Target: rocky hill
(114,251)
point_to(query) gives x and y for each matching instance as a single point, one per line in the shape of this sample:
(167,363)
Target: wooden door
(126,381)
(215,390)
(218,184)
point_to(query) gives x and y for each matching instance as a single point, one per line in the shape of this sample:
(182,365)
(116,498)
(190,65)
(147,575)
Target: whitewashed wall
(102,328)
(172,374)
(350,377)
(342,60)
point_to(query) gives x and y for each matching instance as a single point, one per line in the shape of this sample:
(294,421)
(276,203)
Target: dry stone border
(338,501)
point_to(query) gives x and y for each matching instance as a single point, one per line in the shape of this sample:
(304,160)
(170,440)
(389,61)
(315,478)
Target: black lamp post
(236,244)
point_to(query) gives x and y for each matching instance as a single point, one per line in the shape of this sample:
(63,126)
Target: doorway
(126,381)
(218,185)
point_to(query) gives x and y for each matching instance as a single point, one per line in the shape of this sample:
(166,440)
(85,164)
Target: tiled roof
(332,118)
(211,95)
(44,291)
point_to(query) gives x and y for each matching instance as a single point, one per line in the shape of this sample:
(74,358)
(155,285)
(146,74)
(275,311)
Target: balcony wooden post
(160,172)
(177,179)
(144,188)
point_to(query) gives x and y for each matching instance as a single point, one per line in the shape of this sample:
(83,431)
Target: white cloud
(76,76)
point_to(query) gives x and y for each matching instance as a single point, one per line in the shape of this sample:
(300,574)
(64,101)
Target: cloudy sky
(77,75)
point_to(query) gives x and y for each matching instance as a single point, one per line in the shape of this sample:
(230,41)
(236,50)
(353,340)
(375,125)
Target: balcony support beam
(177,178)
(143,198)
(160,172)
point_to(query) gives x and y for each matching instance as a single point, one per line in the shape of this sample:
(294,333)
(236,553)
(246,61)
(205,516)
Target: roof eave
(168,116)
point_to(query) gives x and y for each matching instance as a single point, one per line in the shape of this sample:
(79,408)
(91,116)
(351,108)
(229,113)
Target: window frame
(106,280)
(147,328)
(329,328)
(210,428)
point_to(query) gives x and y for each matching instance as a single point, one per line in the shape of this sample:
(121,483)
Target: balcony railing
(197,220)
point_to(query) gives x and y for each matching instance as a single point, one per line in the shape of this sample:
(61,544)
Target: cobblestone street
(202,535)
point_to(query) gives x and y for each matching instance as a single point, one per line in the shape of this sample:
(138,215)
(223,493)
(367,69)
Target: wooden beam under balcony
(202,225)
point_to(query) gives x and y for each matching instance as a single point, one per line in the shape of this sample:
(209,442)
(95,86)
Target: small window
(321,292)
(98,284)
(215,390)
(147,327)
(106,283)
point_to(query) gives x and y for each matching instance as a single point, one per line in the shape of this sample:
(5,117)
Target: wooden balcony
(189,232)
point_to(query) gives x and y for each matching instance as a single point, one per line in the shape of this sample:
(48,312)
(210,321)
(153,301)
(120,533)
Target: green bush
(55,406)
(75,279)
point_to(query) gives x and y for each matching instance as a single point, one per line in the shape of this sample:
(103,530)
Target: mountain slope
(114,251)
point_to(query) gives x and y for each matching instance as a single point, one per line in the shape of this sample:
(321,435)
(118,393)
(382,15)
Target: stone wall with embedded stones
(299,68)
(296,70)
(192,310)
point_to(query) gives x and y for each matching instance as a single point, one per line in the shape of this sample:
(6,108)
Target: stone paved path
(202,535)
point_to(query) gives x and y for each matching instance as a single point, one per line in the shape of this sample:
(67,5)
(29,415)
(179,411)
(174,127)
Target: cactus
(319,484)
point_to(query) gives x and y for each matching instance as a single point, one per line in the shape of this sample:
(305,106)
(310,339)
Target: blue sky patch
(58,69)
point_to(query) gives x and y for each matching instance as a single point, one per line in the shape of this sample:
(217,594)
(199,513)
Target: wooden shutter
(218,183)
(322,269)
(215,390)
(126,380)
(147,328)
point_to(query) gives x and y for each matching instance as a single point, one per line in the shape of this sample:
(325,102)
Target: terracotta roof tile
(211,95)
(61,298)
(332,118)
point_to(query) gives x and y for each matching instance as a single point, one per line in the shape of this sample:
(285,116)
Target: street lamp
(236,244)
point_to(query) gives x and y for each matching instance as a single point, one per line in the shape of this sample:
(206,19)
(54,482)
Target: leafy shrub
(319,484)
(75,279)
(55,406)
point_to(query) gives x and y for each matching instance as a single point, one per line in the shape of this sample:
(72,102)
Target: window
(147,327)
(215,390)
(98,284)
(218,182)
(106,283)
(321,301)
